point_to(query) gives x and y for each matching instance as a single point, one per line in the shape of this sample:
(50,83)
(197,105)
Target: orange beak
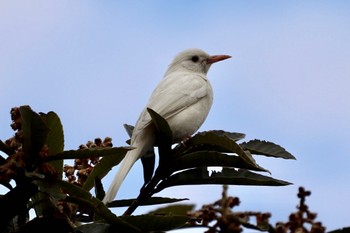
(217,58)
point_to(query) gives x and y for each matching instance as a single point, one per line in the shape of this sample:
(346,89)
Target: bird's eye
(195,58)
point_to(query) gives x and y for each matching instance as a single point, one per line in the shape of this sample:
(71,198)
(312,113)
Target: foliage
(34,159)
(220,217)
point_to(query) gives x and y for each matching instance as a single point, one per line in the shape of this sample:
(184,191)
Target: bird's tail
(127,163)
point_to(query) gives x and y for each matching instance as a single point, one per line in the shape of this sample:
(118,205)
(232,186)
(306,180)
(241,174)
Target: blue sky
(95,64)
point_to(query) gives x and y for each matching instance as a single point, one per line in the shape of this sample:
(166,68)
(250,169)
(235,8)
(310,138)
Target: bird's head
(194,60)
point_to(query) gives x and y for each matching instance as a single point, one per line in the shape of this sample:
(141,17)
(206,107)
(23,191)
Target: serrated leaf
(105,164)
(156,223)
(226,176)
(81,196)
(88,153)
(210,158)
(266,148)
(250,157)
(55,138)
(35,131)
(245,177)
(225,144)
(173,210)
(206,145)
(232,135)
(150,201)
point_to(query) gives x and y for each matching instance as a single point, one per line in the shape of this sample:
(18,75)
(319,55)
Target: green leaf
(151,223)
(150,201)
(35,132)
(245,177)
(224,143)
(14,203)
(266,148)
(52,190)
(95,227)
(4,148)
(203,142)
(112,157)
(263,226)
(49,223)
(226,176)
(173,210)
(43,201)
(210,158)
(129,129)
(148,163)
(163,129)
(99,191)
(55,139)
(81,196)
(148,160)
(164,140)
(232,135)
(35,136)
(341,230)
(88,153)
(146,223)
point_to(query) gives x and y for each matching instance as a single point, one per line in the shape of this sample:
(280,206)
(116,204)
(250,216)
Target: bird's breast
(189,120)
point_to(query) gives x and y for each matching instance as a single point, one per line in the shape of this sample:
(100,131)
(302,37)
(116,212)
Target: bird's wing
(174,93)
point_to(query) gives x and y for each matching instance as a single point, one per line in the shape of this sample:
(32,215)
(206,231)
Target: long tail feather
(127,163)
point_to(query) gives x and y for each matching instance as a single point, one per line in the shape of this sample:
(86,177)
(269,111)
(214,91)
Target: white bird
(183,98)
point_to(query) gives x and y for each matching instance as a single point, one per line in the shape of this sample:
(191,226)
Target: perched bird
(183,98)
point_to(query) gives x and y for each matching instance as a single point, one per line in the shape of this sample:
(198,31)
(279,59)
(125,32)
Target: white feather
(183,98)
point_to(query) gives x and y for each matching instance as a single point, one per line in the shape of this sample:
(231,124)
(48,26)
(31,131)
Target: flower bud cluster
(303,220)
(82,167)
